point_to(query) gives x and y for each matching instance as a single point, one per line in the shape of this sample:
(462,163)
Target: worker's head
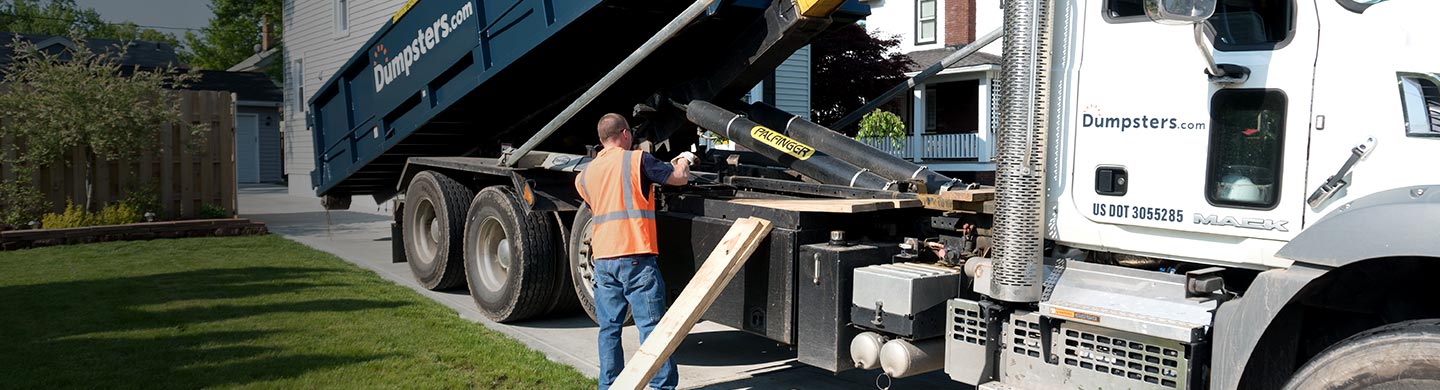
(614,130)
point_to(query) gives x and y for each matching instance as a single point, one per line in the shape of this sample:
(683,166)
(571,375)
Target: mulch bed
(22,239)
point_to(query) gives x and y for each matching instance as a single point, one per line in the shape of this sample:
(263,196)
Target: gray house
(321,34)
(258,104)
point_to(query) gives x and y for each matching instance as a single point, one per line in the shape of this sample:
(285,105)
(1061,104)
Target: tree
(56,103)
(849,67)
(233,34)
(64,18)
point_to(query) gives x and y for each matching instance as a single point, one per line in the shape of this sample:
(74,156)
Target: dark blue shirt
(654,171)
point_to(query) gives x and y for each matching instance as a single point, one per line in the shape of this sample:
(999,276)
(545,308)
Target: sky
(172,14)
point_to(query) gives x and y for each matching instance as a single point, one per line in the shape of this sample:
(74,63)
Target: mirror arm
(1225,74)
(1204,46)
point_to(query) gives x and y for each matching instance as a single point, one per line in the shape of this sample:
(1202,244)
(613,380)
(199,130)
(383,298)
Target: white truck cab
(1230,194)
(1157,159)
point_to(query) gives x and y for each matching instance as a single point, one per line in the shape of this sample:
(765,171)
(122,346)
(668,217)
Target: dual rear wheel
(513,259)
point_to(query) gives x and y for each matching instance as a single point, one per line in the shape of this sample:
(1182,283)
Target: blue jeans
(634,280)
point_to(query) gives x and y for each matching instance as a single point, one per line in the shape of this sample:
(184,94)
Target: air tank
(865,350)
(902,358)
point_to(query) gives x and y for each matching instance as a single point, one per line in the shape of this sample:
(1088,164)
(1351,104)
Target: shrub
(881,124)
(210,211)
(144,198)
(74,216)
(20,204)
(118,213)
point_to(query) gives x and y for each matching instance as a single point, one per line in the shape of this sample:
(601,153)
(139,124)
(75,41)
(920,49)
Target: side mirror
(1179,11)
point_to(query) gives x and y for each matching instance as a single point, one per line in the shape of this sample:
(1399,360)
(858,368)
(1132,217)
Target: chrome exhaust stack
(1019,230)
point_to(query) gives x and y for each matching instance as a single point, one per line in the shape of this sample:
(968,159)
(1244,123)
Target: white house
(949,115)
(320,35)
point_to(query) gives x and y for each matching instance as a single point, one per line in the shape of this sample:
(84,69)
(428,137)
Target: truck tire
(582,270)
(510,256)
(1403,355)
(565,302)
(434,218)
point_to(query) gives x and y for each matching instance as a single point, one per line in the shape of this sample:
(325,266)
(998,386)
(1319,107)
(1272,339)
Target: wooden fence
(187,176)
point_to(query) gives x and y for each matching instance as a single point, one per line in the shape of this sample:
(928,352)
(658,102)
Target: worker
(618,187)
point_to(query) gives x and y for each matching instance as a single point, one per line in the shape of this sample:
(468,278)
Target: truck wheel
(1403,355)
(582,269)
(433,223)
(509,256)
(565,302)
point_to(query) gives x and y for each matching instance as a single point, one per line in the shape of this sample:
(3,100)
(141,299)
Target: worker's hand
(691,158)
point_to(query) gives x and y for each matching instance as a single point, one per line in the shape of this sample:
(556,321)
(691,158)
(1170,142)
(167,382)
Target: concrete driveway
(713,356)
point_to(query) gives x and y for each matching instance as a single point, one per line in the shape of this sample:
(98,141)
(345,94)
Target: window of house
(1125,10)
(299,80)
(1252,24)
(342,16)
(1247,138)
(932,111)
(925,22)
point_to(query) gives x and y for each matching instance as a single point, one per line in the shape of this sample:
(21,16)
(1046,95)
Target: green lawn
(239,312)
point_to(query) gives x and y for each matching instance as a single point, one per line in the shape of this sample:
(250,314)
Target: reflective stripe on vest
(623,209)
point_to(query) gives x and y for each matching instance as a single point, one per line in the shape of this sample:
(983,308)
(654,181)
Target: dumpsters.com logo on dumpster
(398,65)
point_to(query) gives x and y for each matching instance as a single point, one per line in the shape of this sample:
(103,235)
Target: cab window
(1125,10)
(1247,25)
(1247,138)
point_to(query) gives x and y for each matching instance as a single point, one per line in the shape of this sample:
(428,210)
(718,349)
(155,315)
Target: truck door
(1164,147)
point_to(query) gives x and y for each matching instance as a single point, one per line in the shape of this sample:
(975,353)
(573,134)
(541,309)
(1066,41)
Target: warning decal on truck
(403,9)
(1074,314)
(782,143)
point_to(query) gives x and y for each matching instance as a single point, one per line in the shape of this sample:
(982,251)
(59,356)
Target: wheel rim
(493,248)
(584,265)
(426,235)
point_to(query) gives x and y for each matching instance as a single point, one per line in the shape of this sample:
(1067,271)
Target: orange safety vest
(623,207)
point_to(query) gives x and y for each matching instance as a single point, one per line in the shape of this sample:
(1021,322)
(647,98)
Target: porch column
(982,125)
(917,128)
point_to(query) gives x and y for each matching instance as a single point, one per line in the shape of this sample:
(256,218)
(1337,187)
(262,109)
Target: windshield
(1359,6)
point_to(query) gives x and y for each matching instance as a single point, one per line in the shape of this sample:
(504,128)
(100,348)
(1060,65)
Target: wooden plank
(227,161)
(76,173)
(975,195)
(725,260)
(102,181)
(56,172)
(146,168)
(831,205)
(182,151)
(167,172)
(205,188)
(7,153)
(124,174)
(935,202)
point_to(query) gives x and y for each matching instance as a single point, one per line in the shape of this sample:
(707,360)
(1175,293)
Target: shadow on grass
(175,330)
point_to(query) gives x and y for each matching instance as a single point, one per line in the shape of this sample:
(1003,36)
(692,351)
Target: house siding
(271,169)
(311,38)
(792,84)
